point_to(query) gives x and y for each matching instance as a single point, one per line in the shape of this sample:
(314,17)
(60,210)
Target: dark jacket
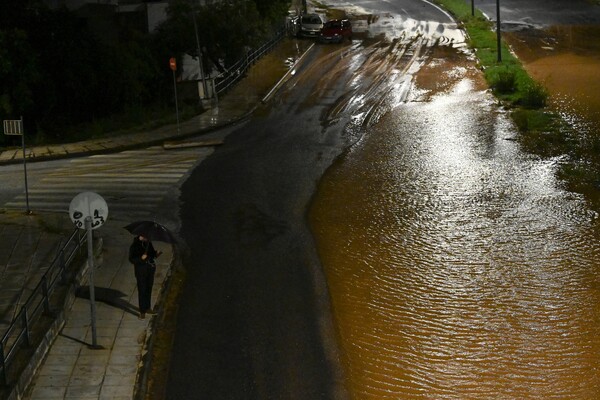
(138,248)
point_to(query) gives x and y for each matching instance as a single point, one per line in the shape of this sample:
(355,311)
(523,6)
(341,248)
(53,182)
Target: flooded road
(566,60)
(457,266)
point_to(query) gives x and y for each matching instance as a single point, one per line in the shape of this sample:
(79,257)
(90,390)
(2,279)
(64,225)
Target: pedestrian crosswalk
(135,183)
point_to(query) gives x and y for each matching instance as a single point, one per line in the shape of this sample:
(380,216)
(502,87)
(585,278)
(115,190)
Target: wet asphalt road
(254,318)
(422,10)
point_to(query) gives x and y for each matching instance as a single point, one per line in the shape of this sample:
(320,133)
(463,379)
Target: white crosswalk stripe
(133,183)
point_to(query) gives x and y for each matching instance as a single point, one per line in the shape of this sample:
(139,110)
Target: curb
(145,366)
(118,148)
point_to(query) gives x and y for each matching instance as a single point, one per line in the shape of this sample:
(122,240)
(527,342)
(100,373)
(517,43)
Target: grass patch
(507,77)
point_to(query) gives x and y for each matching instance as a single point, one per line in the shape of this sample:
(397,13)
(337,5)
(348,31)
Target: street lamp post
(472,8)
(498,35)
(199,54)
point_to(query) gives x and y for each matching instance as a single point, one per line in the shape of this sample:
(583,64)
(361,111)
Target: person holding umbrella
(143,255)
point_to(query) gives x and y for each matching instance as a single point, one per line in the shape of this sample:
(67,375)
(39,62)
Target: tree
(226,29)
(18,72)
(57,73)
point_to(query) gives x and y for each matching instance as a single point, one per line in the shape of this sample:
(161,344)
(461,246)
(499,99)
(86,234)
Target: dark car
(336,30)
(310,25)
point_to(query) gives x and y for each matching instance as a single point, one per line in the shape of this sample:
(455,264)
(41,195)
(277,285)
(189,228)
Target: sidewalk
(71,369)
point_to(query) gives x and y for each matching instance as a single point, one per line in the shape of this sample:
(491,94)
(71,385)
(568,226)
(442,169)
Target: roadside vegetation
(543,132)
(91,73)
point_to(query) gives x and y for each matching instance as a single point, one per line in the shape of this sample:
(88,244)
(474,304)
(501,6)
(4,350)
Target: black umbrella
(151,230)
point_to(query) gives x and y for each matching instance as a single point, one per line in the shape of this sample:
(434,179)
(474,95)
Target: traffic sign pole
(173,66)
(25,169)
(15,128)
(90,249)
(90,211)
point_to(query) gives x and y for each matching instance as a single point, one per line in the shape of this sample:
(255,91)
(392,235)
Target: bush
(534,95)
(504,81)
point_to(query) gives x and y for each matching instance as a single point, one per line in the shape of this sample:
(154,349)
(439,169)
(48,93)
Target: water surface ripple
(458,266)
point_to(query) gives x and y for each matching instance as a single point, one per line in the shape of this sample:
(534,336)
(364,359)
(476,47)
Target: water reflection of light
(458,267)
(396,26)
(451,150)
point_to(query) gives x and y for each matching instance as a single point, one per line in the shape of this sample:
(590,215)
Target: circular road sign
(88,204)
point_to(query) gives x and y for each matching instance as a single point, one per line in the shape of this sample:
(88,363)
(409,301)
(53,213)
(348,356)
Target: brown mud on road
(444,70)
(566,60)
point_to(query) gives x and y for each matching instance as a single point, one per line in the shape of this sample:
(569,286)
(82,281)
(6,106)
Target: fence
(236,72)
(37,304)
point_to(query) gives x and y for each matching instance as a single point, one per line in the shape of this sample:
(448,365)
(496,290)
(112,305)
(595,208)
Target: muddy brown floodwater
(458,267)
(566,60)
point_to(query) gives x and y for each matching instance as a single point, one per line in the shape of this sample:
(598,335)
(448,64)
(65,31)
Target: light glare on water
(458,267)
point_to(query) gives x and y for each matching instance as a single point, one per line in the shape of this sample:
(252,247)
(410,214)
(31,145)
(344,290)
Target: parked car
(336,30)
(310,25)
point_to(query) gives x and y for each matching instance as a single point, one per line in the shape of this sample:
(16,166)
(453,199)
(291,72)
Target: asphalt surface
(255,298)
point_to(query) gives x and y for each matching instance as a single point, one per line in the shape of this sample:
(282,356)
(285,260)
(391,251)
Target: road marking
(133,182)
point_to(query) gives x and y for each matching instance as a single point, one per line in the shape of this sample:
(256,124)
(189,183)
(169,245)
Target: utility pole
(498,34)
(205,92)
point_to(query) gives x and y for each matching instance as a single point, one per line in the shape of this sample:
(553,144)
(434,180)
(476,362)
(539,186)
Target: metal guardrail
(18,333)
(236,72)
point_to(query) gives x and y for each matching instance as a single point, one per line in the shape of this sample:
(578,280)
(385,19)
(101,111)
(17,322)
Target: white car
(310,25)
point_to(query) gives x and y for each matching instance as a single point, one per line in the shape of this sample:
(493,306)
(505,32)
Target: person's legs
(149,284)
(141,275)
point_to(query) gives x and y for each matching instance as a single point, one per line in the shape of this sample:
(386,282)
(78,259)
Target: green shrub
(504,81)
(534,95)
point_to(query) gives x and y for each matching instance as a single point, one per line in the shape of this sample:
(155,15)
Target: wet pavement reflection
(458,267)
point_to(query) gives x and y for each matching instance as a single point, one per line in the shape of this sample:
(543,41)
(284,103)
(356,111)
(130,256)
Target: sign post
(15,128)
(200,66)
(90,211)
(173,66)
(498,32)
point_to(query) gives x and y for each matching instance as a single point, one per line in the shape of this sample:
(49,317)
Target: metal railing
(37,304)
(236,72)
